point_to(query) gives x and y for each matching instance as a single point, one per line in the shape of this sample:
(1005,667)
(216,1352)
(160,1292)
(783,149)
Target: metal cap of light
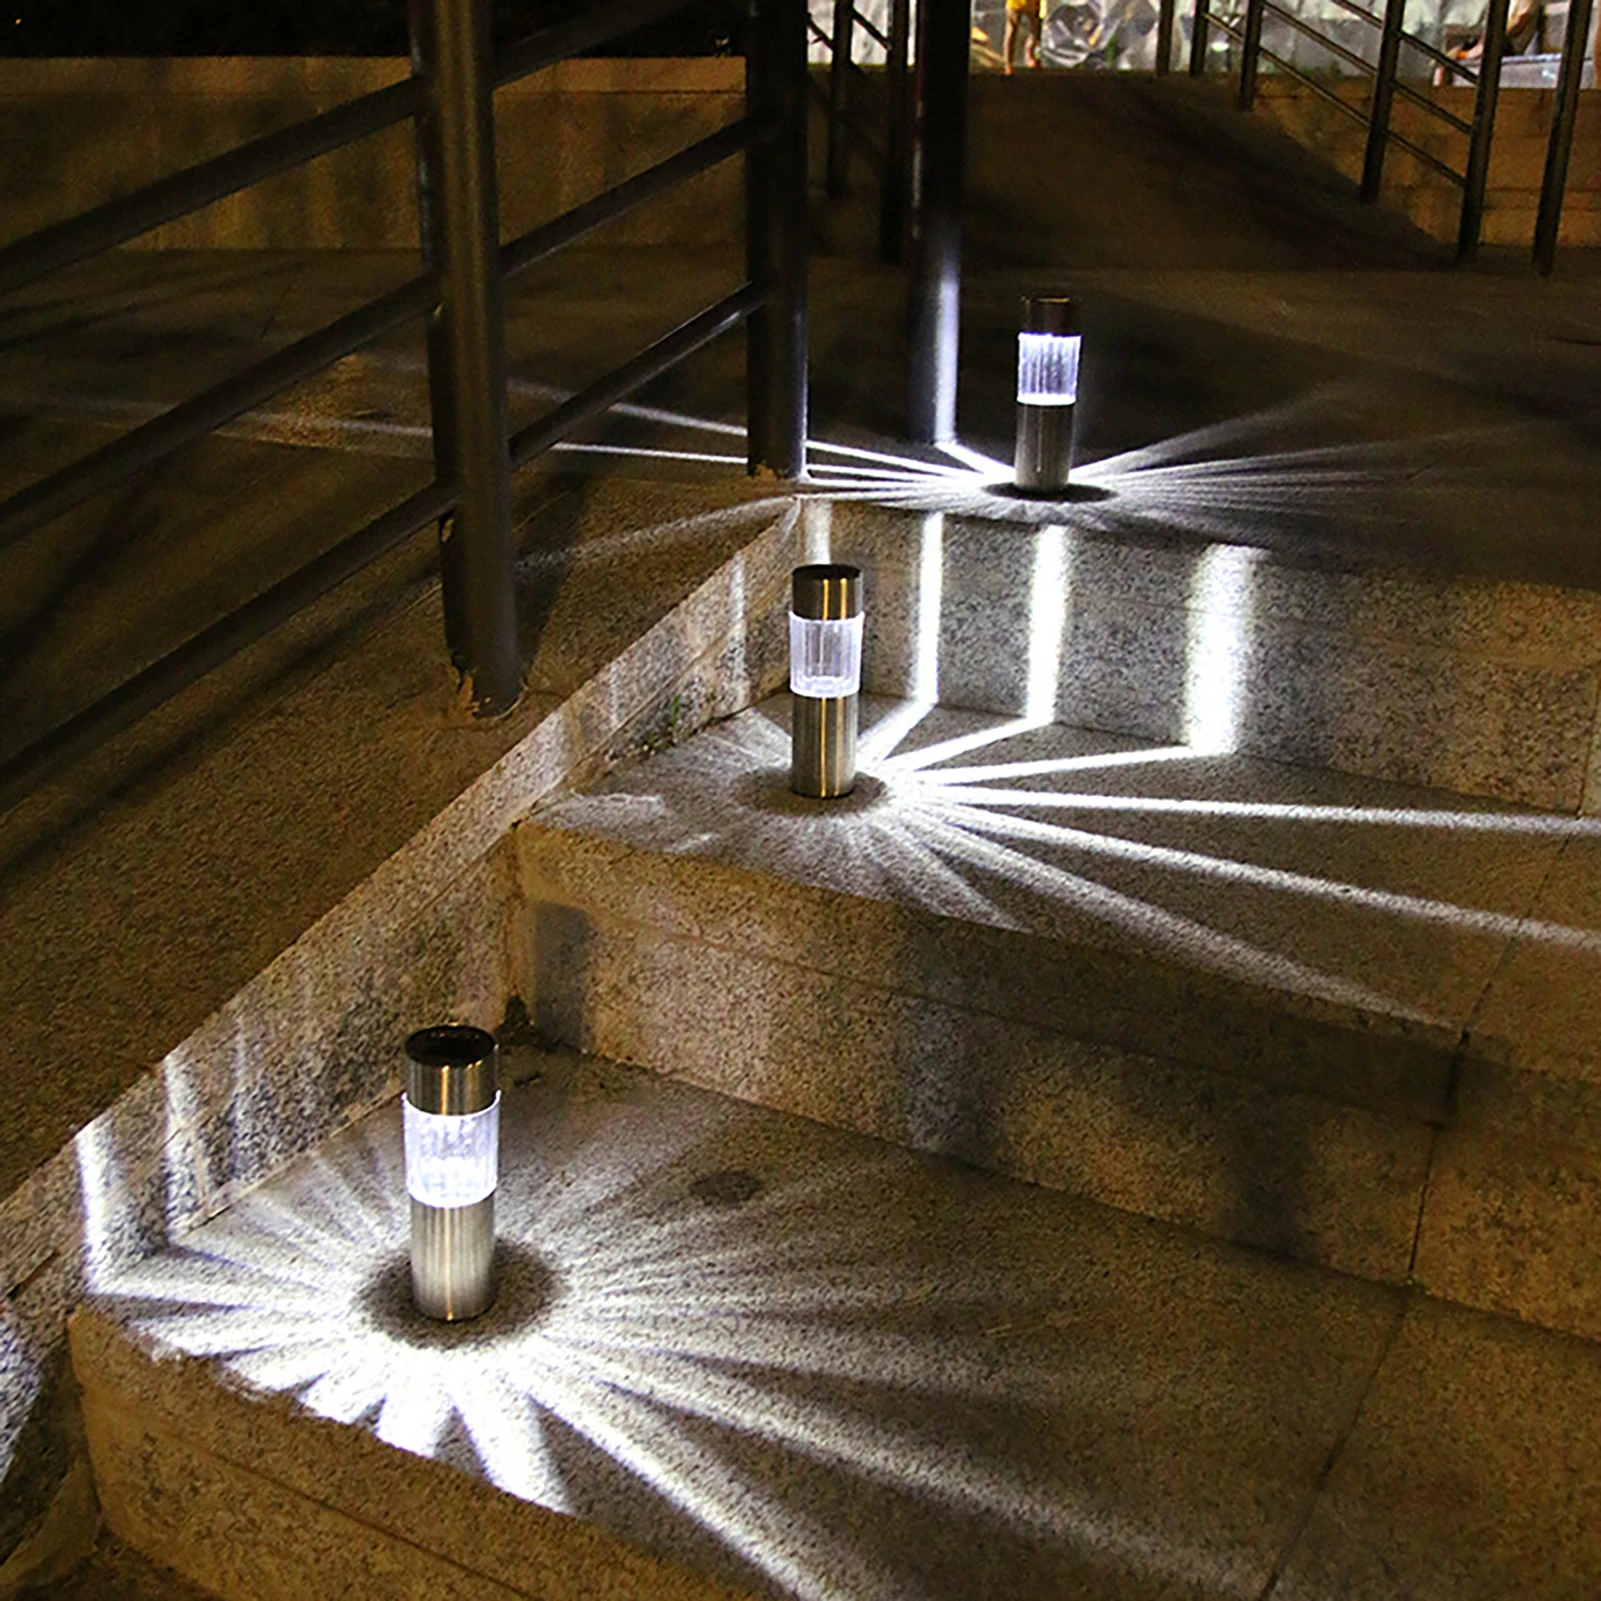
(825,677)
(1048,345)
(451,1110)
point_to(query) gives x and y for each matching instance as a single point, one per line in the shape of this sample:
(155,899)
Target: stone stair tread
(1388,908)
(783,1360)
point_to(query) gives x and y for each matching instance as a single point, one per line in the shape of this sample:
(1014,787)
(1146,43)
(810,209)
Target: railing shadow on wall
(461,294)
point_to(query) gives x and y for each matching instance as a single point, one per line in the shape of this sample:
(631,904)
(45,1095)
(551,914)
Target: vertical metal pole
(1250,51)
(839,90)
(1198,32)
(1164,38)
(897,137)
(775,238)
(1383,99)
(935,291)
(466,344)
(1564,114)
(1478,173)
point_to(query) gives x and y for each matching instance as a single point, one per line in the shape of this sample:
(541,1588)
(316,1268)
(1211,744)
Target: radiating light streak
(976,461)
(1416,908)
(930,602)
(1047,622)
(959,776)
(1166,930)
(889,732)
(577,447)
(957,745)
(1550,824)
(1219,634)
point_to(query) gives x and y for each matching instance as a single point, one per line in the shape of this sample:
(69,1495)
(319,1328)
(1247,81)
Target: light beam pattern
(835,1375)
(1338,889)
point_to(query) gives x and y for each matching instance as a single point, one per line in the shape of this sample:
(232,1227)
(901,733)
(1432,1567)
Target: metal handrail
(1433,107)
(893,156)
(1304,27)
(1238,31)
(868,27)
(775,374)
(1386,84)
(1438,56)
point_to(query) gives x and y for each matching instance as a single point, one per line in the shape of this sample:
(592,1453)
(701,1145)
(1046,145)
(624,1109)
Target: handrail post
(1164,38)
(839,89)
(935,290)
(1383,99)
(1564,114)
(466,344)
(775,238)
(893,193)
(1198,31)
(1250,51)
(1484,103)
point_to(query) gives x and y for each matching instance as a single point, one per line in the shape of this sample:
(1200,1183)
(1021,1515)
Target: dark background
(313,27)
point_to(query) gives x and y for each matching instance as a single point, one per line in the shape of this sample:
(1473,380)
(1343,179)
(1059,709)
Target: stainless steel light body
(825,675)
(452,1136)
(1049,340)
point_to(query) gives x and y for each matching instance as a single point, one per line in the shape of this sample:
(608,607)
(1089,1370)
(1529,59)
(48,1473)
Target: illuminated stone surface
(801,1363)
(1483,687)
(1206,988)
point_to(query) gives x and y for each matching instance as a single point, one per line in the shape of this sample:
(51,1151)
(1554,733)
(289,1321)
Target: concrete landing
(737,1353)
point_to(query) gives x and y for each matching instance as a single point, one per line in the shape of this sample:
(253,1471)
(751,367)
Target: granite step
(737,1353)
(1135,609)
(1333,1017)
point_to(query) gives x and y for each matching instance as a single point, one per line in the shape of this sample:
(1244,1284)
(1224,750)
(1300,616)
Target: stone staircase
(1142,1143)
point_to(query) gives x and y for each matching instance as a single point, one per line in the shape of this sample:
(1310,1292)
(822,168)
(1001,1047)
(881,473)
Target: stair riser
(1486,689)
(1292,1173)
(259,1501)
(1170,1094)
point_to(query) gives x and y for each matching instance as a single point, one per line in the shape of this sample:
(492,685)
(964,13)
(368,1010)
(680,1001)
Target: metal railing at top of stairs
(892,157)
(461,293)
(1246,27)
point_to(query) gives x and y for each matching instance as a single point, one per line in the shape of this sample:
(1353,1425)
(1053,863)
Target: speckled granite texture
(1483,687)
(778,1360)
(1209,989)
(309,1043)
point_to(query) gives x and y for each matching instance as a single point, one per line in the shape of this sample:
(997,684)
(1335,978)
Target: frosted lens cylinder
(825,678)
(451,1116)
(1048,348)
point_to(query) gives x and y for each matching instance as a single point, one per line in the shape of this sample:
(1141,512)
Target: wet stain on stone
(728,1186)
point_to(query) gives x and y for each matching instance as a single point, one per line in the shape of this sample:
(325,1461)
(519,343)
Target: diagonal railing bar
(1238,32)
(1333,46)
(213,408)
(224,402)
(871,30)
(63,244)
(1433,107)
(1410,40)
(450,98)
(651,362)
(217,644)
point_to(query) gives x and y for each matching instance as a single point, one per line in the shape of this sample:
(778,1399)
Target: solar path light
(825,676)
(1048,342)
(451,1110)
